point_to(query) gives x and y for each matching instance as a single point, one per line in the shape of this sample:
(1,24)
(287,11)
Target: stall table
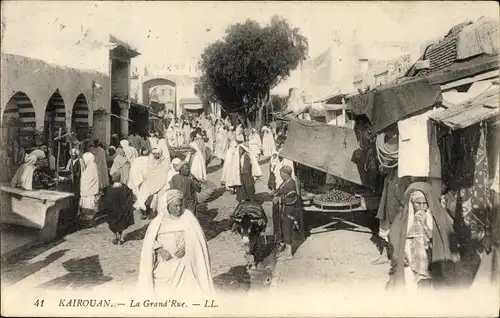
(366,204)
(36,209)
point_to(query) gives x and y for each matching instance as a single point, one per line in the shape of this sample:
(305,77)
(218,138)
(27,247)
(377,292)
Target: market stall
(328,149)
(39,207)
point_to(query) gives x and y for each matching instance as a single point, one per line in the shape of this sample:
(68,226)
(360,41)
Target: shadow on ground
(236,279)
(241,279)
(136,235)
(23,269)
(214,168)
(210,227)
(83,273)
(217,194)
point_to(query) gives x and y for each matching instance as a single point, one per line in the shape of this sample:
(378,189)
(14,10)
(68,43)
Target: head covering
(38,153)
(24,175)
(76,152)
(88,158)
(176,161)
(115,177)
(120,152)
(156,150)
(172,195)
(443,235)
(30,159)
(239,137)
(124,143)
(89,181)
(129,153)
(286,169)
(417,195)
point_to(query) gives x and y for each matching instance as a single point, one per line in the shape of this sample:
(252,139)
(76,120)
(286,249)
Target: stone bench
(37,209)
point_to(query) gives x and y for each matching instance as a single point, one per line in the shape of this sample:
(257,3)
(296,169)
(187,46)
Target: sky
(179,31)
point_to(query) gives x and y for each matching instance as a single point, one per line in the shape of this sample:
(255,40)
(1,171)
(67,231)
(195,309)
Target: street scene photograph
(249,158)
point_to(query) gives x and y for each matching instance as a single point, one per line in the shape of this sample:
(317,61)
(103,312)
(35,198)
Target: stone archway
(80,118)
(18,133)
(147,85)
(55,119)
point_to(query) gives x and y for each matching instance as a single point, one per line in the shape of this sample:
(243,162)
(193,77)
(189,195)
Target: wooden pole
(299,193)
(58,158)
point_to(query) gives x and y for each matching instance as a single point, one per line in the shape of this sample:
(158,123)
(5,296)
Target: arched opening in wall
(18,134)
(80,118)
(115,120)
(55,118)
(159,92)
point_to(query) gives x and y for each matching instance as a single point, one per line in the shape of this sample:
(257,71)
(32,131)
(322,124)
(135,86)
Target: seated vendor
(26,176)
(45,160)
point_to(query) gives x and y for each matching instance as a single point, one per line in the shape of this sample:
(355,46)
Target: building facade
(171,85)
(54,93)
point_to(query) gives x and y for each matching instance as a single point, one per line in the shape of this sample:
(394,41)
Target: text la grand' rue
(166,303)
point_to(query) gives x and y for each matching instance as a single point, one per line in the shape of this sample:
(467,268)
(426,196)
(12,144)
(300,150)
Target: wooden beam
(469,80)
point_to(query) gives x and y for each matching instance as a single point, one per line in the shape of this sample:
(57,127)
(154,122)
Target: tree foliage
(279,102)
(239,71)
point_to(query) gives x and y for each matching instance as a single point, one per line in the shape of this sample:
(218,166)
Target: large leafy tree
(240,70)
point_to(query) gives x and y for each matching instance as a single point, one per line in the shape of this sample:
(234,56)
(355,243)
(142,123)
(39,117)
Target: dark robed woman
(118,204)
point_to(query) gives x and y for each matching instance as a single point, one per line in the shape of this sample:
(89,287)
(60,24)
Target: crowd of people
(138,174)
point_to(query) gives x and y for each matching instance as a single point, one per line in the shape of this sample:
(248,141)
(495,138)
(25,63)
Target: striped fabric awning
(55,110)
(20,110)
(80,112)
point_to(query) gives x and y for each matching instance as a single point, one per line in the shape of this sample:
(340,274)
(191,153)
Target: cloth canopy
(388,104)
(326,148)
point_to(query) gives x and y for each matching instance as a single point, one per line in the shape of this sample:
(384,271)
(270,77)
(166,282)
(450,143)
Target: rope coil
(386,157)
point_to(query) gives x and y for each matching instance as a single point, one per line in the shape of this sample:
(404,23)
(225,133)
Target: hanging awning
(191,103)
(387,104)
(331,149)
(483,107)
(193,106)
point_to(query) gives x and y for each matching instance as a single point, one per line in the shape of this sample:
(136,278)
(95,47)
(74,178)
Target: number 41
(39,303)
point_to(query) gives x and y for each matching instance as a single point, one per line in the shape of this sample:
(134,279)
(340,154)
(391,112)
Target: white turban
(156,150)
(124,143)
(176,161)
(172,195)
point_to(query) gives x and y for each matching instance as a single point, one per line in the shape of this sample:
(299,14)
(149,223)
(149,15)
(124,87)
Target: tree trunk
(263,101)
(258,119)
